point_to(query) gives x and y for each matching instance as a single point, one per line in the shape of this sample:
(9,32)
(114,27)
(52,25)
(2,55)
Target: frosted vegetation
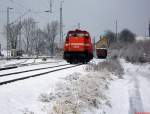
(112,65)
(137,52)
(83,93)
(127,46)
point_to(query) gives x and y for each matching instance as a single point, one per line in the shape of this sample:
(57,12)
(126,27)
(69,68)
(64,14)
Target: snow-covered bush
(78,93)
(111,65)
(138,52)
(46,97)
(26,111)
(114,53)
(133,53)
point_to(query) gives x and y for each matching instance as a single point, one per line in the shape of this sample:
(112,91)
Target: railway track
(12,66)
(17,76)
(22,64)
(39,63)
(8,74)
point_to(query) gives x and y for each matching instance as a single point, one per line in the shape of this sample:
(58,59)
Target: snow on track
(22,95)
(23,62)
(130,94)
(31,67)
(25,75)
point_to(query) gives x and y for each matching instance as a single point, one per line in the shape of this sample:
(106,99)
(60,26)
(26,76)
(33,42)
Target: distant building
(101,47)
(102,43)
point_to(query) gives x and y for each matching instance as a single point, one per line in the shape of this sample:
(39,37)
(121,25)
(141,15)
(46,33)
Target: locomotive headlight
(66,44)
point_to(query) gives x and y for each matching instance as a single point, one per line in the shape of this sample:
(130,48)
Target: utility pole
(20,26)
(94,49)
(50,5)
(8,34)
(116,23)
(61,24)
(149,28)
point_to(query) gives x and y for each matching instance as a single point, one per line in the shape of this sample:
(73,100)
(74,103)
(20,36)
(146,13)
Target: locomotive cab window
(80,35)
(86,35)
(73,35)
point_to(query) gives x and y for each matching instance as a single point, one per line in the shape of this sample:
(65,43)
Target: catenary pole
(116,23)
(8,34)
(61,24)
(149,28)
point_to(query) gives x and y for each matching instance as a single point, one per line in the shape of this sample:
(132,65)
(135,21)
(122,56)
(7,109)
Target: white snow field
(14,62)
(16,97)
(84,92)
(141,38)
(131,94)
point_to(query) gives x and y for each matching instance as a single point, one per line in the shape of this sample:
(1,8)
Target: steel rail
(12,66)
(3,75)
(36,75)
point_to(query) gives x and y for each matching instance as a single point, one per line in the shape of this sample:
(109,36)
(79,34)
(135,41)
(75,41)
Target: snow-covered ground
(118,95)
(15,62)
(131,94)
(141,38)
(17,97)
(138,77)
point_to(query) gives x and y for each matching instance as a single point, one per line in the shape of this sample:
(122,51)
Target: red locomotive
(78,47)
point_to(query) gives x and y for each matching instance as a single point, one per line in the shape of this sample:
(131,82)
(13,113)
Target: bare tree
(29,27)
(111,36)
(40,42)
(14,30)
(126,36)
(51,32)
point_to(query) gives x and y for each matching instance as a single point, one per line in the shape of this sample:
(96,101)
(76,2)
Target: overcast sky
(95,16)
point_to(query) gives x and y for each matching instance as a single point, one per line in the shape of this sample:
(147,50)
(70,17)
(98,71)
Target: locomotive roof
(78,31)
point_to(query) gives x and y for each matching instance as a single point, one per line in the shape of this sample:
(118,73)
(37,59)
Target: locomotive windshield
(78,35)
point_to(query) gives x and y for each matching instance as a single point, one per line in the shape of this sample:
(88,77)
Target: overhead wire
(28,10)
(20,17)
(20,5)
(4,11)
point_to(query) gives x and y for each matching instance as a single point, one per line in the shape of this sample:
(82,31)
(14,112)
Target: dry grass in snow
(111,65)
(78,93)
(83,94)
